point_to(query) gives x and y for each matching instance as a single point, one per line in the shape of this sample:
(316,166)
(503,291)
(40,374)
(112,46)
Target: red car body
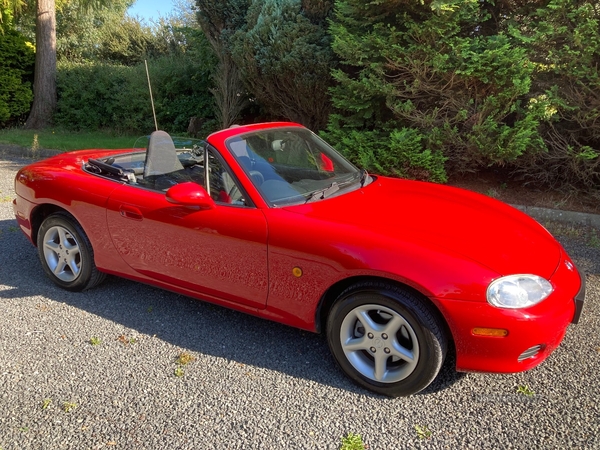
(289,263)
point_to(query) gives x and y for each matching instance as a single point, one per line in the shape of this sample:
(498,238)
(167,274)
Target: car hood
(477,227)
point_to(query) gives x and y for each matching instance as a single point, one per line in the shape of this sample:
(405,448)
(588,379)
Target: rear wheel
(386,339)
(66,253)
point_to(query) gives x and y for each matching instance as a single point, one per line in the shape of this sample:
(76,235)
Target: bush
(564,41)
(97,96)
(17,60)
(430,80)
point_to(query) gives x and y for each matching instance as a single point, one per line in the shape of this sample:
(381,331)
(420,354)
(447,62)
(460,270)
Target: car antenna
(151,98)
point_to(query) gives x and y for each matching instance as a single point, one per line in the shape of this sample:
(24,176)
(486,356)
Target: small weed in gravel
(525,390)
(594,240)
(46,403)
(352,442)
(95,340)
(184,359)
(69,406)
(423,432)
(125,340)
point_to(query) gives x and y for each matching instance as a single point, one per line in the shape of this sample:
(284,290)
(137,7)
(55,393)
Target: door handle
(130,212)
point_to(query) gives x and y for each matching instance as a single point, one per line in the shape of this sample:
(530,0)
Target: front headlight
(518,291)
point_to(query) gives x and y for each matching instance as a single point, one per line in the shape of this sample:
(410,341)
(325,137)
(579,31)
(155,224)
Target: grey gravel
(253,383)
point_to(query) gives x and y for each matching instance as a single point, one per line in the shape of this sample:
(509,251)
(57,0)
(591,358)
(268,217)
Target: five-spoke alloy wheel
(66,253)
(386,339)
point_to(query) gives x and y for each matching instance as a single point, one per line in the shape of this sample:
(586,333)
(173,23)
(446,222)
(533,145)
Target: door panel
(220,252)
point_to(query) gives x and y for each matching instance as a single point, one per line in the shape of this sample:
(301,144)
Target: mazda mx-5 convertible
(270,220)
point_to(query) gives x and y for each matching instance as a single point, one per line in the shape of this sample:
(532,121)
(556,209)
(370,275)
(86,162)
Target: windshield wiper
(323,193)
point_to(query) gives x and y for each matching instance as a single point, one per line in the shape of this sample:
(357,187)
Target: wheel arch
(332,294)
(40,213)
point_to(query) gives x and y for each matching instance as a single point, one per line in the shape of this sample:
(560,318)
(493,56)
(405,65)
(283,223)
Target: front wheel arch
(333,293)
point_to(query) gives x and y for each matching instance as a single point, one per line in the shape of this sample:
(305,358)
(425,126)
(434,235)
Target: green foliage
(130,42)
(423,432)
(352,442)
(564,41)
(16,76)
(285,58)
(523,389)
(81,33)
(446,96)
(404,152)
(98,96)
(219,20)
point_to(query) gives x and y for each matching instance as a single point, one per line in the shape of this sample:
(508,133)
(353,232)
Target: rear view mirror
(190,194)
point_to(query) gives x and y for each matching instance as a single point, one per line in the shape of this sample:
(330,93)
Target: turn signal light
(490,332)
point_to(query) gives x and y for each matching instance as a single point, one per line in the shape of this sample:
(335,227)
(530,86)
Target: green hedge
(97,96)
(16,77)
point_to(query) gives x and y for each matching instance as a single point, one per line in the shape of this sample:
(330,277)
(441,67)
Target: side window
(222,186)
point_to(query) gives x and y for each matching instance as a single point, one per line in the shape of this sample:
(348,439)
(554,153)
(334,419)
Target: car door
(219,252)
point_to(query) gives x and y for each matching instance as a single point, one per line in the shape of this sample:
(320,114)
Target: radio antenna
(151,98)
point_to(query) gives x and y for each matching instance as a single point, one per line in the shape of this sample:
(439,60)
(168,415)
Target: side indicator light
(490,332)
(297,271)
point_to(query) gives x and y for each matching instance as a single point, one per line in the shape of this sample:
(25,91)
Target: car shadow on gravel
(184,322)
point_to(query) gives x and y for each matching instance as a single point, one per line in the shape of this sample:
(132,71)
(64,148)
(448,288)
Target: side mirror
(190,194)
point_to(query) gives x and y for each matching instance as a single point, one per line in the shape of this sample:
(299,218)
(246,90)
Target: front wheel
(66,253)
(386,339)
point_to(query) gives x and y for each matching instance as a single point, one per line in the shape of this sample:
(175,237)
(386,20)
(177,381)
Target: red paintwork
(446,243)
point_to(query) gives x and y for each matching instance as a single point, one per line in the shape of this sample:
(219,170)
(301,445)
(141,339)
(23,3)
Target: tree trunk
(44,82)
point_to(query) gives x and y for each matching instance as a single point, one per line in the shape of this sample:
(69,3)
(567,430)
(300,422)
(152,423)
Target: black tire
(386,339)
(66,253)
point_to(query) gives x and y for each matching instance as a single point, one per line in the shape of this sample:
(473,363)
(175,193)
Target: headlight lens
(518,291)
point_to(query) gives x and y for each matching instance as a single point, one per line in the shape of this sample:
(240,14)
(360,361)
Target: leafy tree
(284,53)
(219,20)
(81,32)
(44,88)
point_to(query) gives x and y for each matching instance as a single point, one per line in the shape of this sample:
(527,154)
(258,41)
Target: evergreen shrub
(17,60)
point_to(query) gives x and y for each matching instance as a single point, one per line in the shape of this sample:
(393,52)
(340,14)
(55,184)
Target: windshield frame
(282,182)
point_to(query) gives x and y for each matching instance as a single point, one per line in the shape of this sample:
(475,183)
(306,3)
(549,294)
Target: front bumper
(533,333)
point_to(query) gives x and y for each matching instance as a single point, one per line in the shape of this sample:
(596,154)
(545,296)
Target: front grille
(530,352)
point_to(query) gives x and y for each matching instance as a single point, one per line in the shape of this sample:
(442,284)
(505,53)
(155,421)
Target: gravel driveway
(251,383)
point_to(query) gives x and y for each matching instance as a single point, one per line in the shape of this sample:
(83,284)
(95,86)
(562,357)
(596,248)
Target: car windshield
(292,165)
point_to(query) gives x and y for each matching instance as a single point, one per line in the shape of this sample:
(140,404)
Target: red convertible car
(270,220)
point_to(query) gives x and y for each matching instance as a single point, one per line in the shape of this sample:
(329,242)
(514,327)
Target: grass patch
(66,140)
